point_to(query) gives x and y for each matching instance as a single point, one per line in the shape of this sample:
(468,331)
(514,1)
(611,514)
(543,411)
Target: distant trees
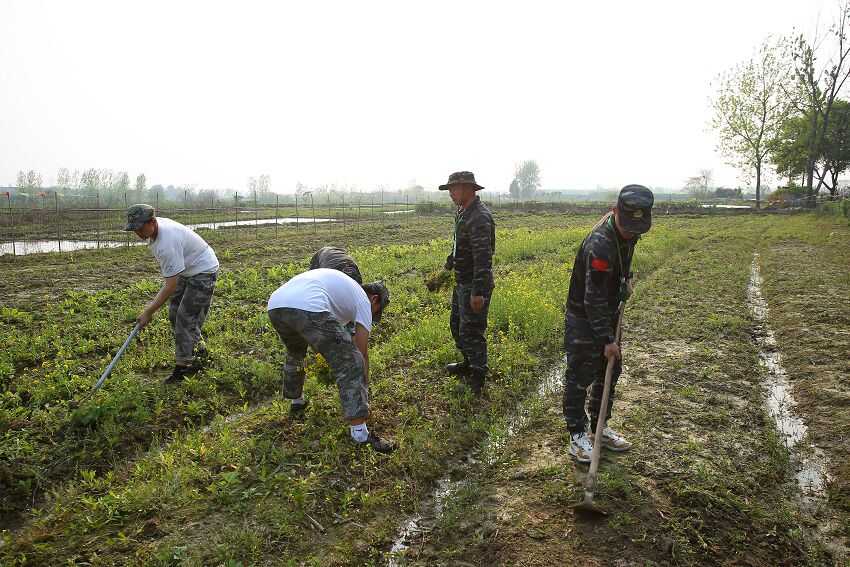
(141,181)
(260,185)
(817,87)
(526,180)
(699,185)
(750,107)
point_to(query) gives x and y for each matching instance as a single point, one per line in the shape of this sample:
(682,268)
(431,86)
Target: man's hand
(476,303)
(612,351)
(143,319)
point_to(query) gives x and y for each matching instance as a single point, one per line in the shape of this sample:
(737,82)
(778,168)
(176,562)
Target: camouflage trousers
(299,329)
(585,369)
(187,310)
(469,328)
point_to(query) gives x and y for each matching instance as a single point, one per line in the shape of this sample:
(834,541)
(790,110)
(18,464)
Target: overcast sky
(375,92)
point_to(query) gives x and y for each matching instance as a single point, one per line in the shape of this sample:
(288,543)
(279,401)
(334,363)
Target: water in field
(255,222)
(22,248)
(431,509)
(810,461)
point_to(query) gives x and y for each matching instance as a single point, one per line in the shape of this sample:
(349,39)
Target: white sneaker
(581,447)
(613,441)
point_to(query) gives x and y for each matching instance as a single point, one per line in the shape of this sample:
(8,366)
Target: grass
(214,471)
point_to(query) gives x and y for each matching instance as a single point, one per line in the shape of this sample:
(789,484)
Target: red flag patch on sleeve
(599,264)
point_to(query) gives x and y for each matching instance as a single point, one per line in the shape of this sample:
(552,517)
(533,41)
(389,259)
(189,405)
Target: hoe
(587,505)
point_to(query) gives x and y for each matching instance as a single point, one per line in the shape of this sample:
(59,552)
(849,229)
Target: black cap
(635,207)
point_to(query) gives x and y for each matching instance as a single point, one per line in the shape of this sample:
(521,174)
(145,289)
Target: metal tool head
(587,507)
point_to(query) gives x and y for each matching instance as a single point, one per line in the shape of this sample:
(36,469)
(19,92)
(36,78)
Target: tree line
(781,111)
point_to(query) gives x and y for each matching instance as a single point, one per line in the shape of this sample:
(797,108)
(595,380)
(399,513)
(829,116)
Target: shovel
(587,505)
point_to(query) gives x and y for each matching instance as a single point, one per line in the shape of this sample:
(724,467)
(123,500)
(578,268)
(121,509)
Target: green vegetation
(213,472)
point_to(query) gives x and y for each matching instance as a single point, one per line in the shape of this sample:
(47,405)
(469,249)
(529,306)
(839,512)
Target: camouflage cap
(378,288)
(635,206)
(137,215)
(461,178)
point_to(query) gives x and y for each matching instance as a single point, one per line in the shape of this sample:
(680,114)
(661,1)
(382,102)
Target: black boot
(476,379)
(458,368)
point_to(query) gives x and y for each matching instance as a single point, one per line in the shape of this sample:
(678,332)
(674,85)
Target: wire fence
(52,222)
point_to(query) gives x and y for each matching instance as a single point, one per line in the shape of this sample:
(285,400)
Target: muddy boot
(475,379)
(458,368)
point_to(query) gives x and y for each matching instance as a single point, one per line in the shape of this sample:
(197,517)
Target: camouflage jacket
(336,259)
(598,281)
(473,248)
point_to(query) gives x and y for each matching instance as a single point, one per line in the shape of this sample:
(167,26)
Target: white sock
(359,432)
(299,401)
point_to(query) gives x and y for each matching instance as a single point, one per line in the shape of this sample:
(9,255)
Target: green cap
(137,215)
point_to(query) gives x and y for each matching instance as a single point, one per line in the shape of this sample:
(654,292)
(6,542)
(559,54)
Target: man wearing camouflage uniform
(473,246)
(336,259)
(600,281)
(189,267)
(312,309)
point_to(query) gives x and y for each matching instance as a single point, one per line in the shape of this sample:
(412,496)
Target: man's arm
(166,291)
(600,315)
(480,240)
(361,341)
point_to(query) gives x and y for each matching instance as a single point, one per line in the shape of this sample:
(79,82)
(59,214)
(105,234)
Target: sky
(376,93)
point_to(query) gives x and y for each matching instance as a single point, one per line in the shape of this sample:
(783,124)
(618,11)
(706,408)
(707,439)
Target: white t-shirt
(179,250)
(325,290)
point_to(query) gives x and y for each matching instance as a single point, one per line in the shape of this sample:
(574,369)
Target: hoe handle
(116,358)
(603,409)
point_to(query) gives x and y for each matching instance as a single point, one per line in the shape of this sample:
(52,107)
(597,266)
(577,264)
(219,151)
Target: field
(213,472)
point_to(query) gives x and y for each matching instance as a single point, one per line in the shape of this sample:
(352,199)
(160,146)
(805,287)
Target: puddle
(407,211)
(25,247)
(431,508)
(255,222)
(809,461)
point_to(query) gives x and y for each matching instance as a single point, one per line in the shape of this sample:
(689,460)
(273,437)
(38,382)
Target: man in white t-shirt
(189,267)
(312,309)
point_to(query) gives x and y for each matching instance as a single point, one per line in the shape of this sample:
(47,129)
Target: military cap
(378,288)
(137,215)
(461,178)
(635,206)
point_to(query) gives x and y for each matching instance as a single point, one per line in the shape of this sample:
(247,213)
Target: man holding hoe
(189,267)
(599,284)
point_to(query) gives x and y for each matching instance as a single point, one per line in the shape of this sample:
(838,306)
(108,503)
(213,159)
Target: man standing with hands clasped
(189,267)
(473,246)
(600,282)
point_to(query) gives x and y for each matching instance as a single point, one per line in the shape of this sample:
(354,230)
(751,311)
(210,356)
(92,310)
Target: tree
(818,87)
(789,151)
(141,181)
(789,148)
(527,178)
(699,185)
(750,107)
(63,178)
(514,189)
(121,182)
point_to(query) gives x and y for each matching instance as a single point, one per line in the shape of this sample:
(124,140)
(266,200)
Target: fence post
(330,222)
(125,208)
(256,215)
(98,218)
(212,206)
(297,221)
(58,220)
(313,206)
(11,222)
(276,206)
(236,207)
